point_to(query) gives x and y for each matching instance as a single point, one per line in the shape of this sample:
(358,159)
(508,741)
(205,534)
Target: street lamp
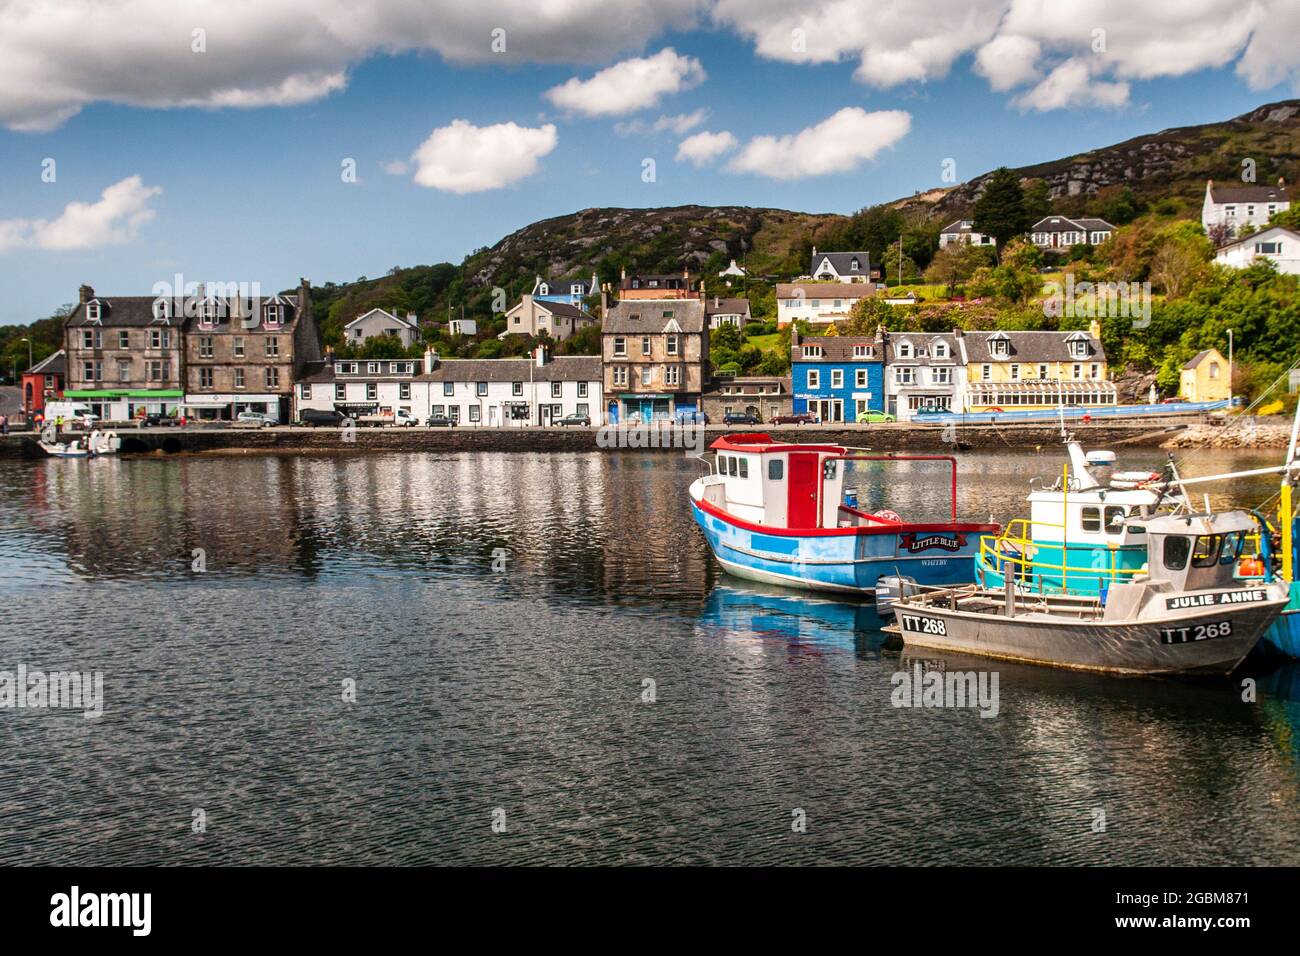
(26,410)
(1229,368)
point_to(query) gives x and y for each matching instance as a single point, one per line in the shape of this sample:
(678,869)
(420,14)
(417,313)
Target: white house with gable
(1277,244)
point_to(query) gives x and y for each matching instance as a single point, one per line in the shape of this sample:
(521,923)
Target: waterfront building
(572,292)
(835,378)
(923,372)
(722,312)
(43,382)
(1276,244)
(963,230)
(1235,206)
(819,303)
(124,355)
(655,286)
(1205,378)
(244,355)
(378,322)
(1025,370)
(355,387)
(534,315)
(656,358)
(760,395)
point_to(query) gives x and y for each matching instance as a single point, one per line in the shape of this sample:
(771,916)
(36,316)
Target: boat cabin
(1093,507)
(1197,552)
(778,484)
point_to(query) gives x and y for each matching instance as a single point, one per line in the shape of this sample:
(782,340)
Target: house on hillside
(537,316)
(569,291)
(963,230)
(841,267)
(376,322)
(654,286)
(1276,244)
(722,312)
(1236,206)
(1205,378)
(820,303)
(1060,232)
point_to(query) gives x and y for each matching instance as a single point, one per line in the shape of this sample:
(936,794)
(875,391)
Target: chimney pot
(85,293)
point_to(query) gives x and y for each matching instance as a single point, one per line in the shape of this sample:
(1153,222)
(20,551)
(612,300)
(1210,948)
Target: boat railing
(1016,555)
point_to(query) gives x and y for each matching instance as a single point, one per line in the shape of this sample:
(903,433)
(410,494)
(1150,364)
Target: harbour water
(548,668)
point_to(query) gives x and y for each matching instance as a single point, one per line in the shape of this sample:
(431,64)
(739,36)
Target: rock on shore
(1243,432)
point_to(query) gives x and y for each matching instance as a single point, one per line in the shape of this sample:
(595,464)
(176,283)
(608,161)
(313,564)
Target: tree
(954,264)
(1000,210)
(1182,257)
(1038,201)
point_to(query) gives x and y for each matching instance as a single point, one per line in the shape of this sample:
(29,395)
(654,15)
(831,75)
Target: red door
(801,507)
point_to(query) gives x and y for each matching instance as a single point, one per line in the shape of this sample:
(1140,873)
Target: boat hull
(1283,637)
(839,563)
(1048,557)
(1130,647)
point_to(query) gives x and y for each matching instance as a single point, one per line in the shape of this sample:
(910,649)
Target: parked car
(255,418)
(875,418)
(155,420)
(397,418)
(691,418)
(1175,400)
(800,418)
(574,419)
(440,421)
(740,418)
(318,417)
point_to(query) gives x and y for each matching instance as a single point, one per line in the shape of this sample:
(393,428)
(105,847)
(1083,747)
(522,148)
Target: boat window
(1231,548)
(1177,549)
(828,469)
(1206,554)
(775,469)
(722,464)
(1091,519)
(731,465)
(744,468)
(1115,519)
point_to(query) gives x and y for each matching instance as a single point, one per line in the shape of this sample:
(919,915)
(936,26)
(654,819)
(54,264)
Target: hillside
(1172,164)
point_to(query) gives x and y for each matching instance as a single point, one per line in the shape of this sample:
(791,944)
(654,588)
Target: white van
(78,413)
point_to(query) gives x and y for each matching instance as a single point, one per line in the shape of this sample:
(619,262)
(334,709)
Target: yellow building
(1035,370)
(1205,378)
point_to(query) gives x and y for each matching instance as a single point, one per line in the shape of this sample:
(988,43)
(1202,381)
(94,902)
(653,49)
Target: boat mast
(1284,507)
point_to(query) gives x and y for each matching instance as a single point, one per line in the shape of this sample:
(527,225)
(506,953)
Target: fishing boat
(778,513)
(95,444)
(1188,613)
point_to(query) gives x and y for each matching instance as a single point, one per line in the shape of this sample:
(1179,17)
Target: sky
(260,141)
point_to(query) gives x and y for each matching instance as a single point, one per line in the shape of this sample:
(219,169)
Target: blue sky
(256,194)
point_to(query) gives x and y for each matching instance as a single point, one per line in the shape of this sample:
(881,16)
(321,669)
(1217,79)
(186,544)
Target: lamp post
(1229,368)
(26,410)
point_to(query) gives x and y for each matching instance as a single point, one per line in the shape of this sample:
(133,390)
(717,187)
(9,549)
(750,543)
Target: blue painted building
(835,378)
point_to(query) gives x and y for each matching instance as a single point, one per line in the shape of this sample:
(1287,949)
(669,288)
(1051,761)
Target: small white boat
(95,444)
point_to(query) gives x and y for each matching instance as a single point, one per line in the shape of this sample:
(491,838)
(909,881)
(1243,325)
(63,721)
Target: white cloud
(56,58)
(396,167)
(464,158)
(680,124)
(703,148)
(837,144)
(1071,84)
(1008,61)
(115,218)
(629,86)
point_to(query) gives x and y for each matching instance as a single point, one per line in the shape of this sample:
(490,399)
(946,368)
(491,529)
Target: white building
(924,371)
(1278,244)
(733,270)
(840,266)
(377,322)
(536,316)
(538,390)
(1061,232)
(1237,206)
(720,312)
(963,230)
(462,327)
(818,302)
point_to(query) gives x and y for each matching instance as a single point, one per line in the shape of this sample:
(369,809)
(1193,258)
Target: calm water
(520,687)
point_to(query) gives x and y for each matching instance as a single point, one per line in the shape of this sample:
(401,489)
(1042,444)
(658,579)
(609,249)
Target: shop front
(125,405)
(228,407)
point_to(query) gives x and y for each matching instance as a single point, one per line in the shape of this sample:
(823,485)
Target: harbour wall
(884,438)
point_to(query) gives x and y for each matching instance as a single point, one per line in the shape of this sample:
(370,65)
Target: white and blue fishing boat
(777,513)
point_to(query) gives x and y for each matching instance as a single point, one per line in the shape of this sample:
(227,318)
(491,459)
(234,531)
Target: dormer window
(543,289)
(93,312)
(1079,349)
(862,351)
(904,350)
(854,266)
(273,314)
(941,350)
(812,351)
(1000,346)
(162,309)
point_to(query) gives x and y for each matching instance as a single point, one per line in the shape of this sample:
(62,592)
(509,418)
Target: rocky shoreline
(1244,432)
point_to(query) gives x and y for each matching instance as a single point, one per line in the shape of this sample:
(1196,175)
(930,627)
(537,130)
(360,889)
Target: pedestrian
(4,424)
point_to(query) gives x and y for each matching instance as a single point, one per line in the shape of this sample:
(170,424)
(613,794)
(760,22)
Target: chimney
(541,355)
(304,294)
(85,294)
(622,273)
(794,336)
(956,332)
(1094,329)
(410,317)
(715,302)
(1281,182)
(814,252)
(430,359)
(604,300)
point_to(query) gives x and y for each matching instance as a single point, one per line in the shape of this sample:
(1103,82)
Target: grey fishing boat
(1186,614)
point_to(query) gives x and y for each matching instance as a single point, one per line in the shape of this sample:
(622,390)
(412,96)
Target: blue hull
(1284,636)
(1081,560)
(845,563)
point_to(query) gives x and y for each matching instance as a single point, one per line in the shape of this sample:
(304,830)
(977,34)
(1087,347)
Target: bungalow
(537,316)
(1277,244)
(377,322)
(963,230)
(923,371)
(722,312)
(818,302)
(1237,206)
(1205,378)
(1059,232)
(836,378)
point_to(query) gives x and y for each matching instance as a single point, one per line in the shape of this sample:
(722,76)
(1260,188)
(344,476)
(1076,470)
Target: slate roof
(841,262)
(1065,224)
(958,226)
(392,315)
(1200,357)
(562,368)
(566,310)
(836,348)
(646,316)
(1259,236)
(1030,347)
(824,290)
(921,340)
(1260,194)
(720,306)
(56,364)
(673,281)
(136,311)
